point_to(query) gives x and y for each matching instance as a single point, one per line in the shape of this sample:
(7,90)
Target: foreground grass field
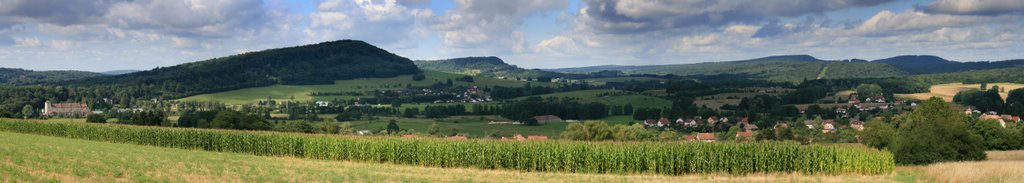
(35,158)
(947,91)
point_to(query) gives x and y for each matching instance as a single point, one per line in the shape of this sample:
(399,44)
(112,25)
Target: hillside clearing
(948,90)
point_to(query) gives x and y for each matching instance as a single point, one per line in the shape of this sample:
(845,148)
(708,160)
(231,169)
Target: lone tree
(393,127)
(26,112)
(933,133)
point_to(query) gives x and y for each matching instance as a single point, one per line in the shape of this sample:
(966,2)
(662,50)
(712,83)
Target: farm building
(745,135)
(547,119)
(65,109)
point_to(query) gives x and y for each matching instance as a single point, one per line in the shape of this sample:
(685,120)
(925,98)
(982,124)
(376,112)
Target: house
(364,132)
(650,122)
(323,103)
(853,101)
(547,119)
(878,99)
(995,118)
(809,124)
(541,137)
(828,126)
(745,135)
(65,109)
(663,122)
(706,137)
(857,125)
(712,120)
(749,127)
(457,137)
(687,123)
(519,137)
(691,137)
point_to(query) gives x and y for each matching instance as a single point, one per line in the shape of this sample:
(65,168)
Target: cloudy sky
(104,35)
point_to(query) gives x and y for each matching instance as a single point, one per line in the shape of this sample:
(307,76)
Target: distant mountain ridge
(320,63)
(483,66)
(791,68)
(928,64)
(119,72)
(22,76)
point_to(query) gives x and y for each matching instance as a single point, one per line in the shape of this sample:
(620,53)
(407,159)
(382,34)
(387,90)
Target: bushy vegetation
(562,156)
(932,133)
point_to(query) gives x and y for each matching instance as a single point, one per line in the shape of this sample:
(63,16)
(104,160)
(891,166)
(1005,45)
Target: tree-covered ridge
(321,63)
(927,64)
(484,66)
(844,69)
(1010,75)
(23,77)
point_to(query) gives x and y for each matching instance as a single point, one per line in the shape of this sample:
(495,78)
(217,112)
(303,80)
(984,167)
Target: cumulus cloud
(489,24)
(889,23)
(376,21)
(633,16)
(974,7)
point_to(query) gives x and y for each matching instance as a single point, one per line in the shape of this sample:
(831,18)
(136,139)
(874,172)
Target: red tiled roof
(745,134)
(705,136)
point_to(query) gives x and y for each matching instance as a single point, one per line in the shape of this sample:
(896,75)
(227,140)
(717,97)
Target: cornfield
(561,156)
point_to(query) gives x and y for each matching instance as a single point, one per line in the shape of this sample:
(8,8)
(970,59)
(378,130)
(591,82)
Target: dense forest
(27,77)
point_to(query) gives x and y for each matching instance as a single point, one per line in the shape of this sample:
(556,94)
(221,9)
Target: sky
(104,35)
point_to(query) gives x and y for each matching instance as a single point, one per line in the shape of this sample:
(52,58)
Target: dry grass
(947,91)
(1002,166)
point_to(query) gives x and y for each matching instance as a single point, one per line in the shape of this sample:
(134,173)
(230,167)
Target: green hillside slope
(483,66)
(321,63)
(23,77)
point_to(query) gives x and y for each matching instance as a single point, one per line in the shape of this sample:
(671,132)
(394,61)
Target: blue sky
(143,34)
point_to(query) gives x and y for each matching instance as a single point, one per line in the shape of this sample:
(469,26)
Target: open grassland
(603,81)
(35,158)
(552,156)
(947,91)
(716,101)
(301,92)
(636,99)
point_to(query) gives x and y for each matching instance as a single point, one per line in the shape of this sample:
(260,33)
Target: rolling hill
(484,66)
(321,63)
(927,64)
(23,77)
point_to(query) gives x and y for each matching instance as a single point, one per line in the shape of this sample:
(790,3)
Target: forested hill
(320,63)
(484,66)
(927,64)
(24,77)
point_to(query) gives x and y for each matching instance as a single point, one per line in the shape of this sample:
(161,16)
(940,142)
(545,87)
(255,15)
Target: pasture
(614,97)
(948,90)
(302,92)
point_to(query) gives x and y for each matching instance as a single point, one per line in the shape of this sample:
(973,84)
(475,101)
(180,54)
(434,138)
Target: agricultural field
(472,126)
(36,158)
(603,81)
(948,90)
(618,97)
(301,92)
(553,156)
(716,101)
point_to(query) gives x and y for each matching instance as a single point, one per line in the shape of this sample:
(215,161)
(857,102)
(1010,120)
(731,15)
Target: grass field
(637,100)
(603,81)
(301,92)
(473,126)
(34,158)
(947,91)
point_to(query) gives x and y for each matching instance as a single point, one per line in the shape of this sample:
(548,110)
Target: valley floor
(34,158)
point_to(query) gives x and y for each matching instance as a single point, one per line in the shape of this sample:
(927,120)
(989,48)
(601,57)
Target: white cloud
(489,26)
(975,7)
(26,42)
